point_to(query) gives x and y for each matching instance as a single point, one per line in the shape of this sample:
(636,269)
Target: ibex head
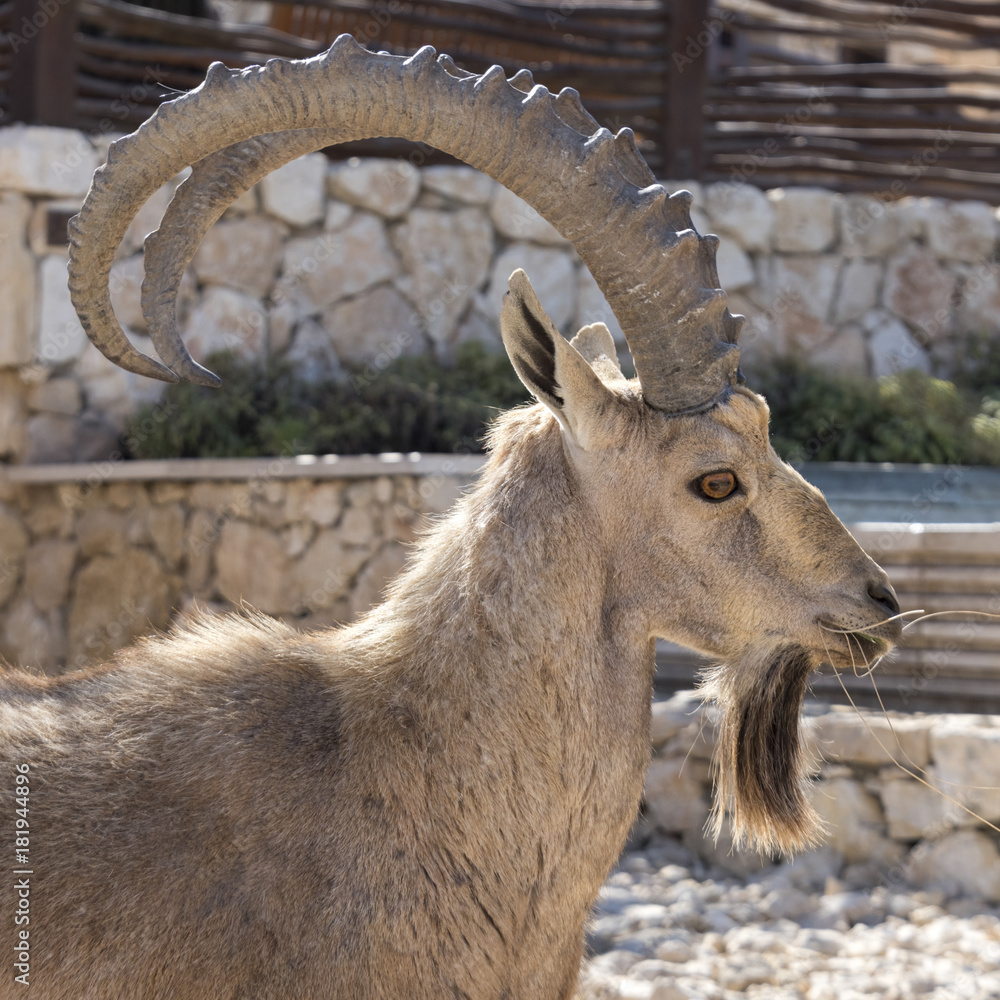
(711,540)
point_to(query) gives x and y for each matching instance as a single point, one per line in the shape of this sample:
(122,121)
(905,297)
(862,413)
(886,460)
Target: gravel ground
(668,928)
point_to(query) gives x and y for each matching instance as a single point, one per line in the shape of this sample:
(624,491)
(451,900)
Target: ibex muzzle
(425,804)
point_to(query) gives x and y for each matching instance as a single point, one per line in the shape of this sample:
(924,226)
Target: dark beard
(759,761)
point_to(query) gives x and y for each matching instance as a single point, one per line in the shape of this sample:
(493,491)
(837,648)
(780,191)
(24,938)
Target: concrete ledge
(243,469)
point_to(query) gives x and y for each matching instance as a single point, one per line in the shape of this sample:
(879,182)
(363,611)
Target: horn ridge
(590,187)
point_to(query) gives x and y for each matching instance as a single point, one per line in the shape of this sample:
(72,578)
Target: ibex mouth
(759,761)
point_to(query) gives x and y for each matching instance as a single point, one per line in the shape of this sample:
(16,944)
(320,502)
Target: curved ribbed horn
(658,275)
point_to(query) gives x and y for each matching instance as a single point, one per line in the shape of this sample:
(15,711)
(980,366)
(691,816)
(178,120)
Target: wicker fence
(785,92)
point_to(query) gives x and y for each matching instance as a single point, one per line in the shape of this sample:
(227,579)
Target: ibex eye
(716,485)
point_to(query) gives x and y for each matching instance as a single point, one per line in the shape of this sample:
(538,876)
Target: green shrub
(413,404)
(908,417)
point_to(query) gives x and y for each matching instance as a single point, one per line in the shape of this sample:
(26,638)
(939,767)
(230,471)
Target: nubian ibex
(424,804)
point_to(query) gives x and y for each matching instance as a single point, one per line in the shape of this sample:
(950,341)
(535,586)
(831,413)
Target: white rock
(854,817)
(388,187)
(147,219)
(845,736)
(320,270)
(967,766)
(592,307)
(673,795)
(465,184)
(959,230)
(337,215)
(226,320)
(56,395)
(17,282)
(979,309)
(892,348)
(741,212)
(374,328)
(860,281)
(874,227)
(551,273)
(125,286)
(805,219)
(446,256)
(312,353)
(967,861)
(674,715)
(799,297)
(846,351)
(240,253)
(60,335)
(916,812)
(919,290)
(517,220)
(51,161)
(735,267)
(296,192)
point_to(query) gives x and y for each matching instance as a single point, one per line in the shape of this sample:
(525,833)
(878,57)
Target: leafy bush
(413,404)
(908,417)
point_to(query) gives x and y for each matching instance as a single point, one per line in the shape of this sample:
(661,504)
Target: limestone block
(48,566)
(166,528)
(967,766)
(446,256)
(741,212)
(377,324)
(846,351)
(461,183)
(13,546)
(805,219)
(312,353)
(13,394)
(33,638)
(321,270)
(246,204)
(240,253)
(919,290)
(50,437)
(476,326)
(517,220)
(60,335)
(296,192)
(735,267)
(324,573)
(675,715)
(125,286)
(979,306)
(799,294)
(17,280)
(966,861)
(916,812)
(551,273)
(147,219)
(845,736)
(113,392)
(860,282)
(874,227)
(854,818)
(49,161)
(115,599)
(56,395)
(388,187)
(251,566)
(592,307)
(892,347)
(338,214)
(102,531)
(959,230)
(226,320)
(674,795)
(375,576)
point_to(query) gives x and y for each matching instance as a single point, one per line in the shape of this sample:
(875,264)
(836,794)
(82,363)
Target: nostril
(883,594)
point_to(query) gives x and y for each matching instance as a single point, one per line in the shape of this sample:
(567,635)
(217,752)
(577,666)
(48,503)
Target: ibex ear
(553,371)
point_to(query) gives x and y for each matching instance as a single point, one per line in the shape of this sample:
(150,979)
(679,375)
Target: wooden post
(43,62)
(689,38)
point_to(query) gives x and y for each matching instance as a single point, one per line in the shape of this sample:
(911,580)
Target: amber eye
(716,485)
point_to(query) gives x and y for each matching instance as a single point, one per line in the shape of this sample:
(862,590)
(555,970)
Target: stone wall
(886,825)
(354,263)
(92,558)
